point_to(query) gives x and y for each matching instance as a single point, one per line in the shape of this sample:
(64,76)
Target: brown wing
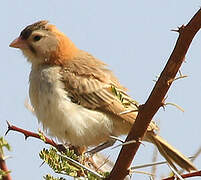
(93,86)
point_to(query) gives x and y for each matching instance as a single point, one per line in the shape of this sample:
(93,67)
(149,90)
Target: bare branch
(154,102)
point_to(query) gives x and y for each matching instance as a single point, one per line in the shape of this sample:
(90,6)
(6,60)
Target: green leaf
(49,177)
(4,143)
(61,164)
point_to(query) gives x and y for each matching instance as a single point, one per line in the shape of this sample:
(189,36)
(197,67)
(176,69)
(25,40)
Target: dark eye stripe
(25,34)
(32,49)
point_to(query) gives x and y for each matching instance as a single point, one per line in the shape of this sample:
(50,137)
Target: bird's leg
(78,150)
(101,146)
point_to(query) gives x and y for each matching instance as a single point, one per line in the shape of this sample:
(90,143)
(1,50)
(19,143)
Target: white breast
(63,119)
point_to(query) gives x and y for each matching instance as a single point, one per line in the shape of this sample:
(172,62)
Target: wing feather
(91,84)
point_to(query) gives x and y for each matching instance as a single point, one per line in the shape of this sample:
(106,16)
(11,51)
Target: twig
(176,105)
(27,134)
(154,102)
(154,160)
(175,172)
(3,165)
(153,164)
(125,143)
(59,147)
(197,153)
(76,163)
(197,173)
(117,139)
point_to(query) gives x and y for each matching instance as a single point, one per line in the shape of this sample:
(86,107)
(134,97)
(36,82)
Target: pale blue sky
(133,38)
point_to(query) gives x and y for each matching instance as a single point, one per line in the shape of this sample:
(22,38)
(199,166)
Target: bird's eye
(37,38)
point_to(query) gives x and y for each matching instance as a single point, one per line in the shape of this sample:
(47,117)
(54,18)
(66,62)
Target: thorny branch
(154,102)
(91,164)
(27,134)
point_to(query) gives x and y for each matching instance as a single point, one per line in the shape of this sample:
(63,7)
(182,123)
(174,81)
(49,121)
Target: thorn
(42,163)
(177,106)
(8,124)
(128,111)
(128,142)
(179,29)
(116,138)
(26,137)
(175,30)
(142,172)
(180,77)
(7,132)
(9,128)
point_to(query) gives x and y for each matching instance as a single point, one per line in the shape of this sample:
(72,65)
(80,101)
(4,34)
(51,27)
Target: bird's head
(43,43)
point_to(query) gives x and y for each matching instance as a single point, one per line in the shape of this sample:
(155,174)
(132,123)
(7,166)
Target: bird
(77,98)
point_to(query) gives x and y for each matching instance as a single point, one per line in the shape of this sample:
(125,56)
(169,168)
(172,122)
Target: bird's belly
(67,121)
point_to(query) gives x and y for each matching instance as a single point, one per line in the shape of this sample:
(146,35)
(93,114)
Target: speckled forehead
(36,26)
